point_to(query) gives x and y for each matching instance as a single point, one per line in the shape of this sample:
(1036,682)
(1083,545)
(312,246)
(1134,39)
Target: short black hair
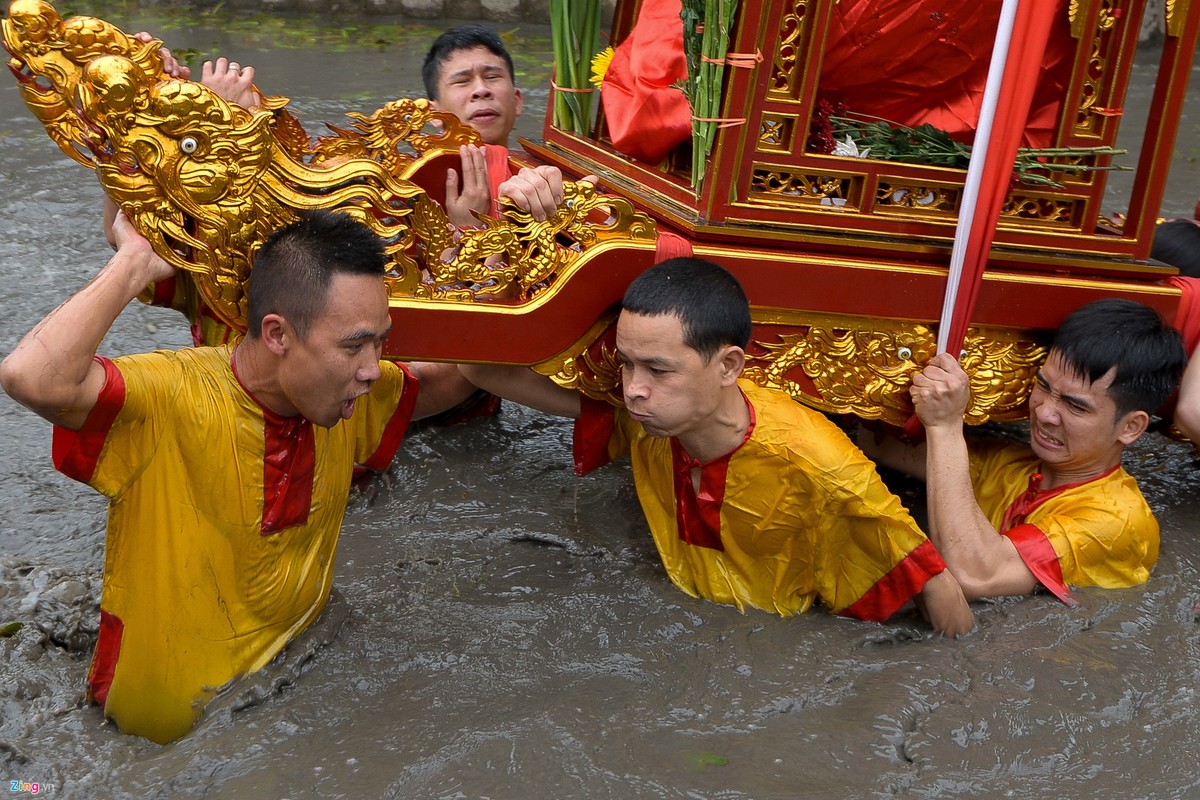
(1148,355)
(462,37)
(294,267)
(706,298)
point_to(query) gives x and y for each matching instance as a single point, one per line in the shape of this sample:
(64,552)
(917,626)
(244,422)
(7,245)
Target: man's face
(667,386)
(475,86)
(1073,423)
(324,373)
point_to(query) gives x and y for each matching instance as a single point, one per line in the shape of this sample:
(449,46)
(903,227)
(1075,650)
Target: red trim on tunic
(289,458)
(899,586)
(1033,546)
(1038,554)
(393,432)
(104,658)
(698,514)
(593,431)
(75,453)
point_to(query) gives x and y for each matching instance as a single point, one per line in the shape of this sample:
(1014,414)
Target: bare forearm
(51,370)
(524,386)
(984,562)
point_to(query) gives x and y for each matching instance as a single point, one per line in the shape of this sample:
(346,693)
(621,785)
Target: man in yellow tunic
(1061,511)
(752,499)
(227,468)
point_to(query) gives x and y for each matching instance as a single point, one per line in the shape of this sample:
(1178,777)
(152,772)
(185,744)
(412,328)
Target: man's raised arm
(52,371)
(985,563)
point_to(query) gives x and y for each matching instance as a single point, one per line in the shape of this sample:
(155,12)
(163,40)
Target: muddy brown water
(502,629)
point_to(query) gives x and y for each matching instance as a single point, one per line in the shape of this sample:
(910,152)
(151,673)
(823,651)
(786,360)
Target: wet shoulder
(793,433)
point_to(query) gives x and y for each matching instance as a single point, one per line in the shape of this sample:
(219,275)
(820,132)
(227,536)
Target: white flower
(849,148)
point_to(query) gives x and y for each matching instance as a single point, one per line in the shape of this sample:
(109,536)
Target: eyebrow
(1070,398)
(358,336)
(655,361)
(466,73)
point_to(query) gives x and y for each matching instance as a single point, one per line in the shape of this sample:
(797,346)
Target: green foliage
(925,144)
(576,38)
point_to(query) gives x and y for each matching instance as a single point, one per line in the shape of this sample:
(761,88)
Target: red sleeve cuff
(899,586)
(1038,554)
(76,453)
(593,431)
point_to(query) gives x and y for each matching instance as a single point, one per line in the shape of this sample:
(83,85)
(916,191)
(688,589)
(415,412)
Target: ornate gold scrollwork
(934,199)
(1176,15)
(866,368)
(1047,209)
(839,365)
(591,366)
(206,181)
(801,188)
(784,71)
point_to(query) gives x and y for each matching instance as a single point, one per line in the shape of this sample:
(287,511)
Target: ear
(732,360)
(520,101)
(276,334)
(1131,426)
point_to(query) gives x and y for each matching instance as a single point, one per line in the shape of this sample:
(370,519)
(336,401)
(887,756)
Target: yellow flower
(600,67)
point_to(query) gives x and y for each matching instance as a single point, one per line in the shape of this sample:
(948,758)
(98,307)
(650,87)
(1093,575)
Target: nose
(480,88)
(632,386)
(1044,408)
(369,372)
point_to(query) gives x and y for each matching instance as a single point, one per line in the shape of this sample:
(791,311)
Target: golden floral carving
(867,370)
(810,188)
(785,72)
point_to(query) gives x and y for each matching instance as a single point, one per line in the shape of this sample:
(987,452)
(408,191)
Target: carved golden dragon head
(206,181)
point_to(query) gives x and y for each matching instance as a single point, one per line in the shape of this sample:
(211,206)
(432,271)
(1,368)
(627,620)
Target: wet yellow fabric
(804,515)
(202,594)
(1103,531)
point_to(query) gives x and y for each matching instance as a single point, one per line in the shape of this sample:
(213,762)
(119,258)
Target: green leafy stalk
(575,34)
(925,144)
(705,53)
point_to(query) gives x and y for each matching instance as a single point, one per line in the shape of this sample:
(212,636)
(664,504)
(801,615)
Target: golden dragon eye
(188,145)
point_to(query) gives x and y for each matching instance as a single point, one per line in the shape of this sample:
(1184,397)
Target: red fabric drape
(646,116)
(916,62)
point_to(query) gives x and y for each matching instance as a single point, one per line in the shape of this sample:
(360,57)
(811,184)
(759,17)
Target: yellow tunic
(794,513)
(1097,533)
(222,525)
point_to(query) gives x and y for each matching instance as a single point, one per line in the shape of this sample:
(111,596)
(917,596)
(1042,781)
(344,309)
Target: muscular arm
(985,563)
(442,387)
(524,386)
(52,371)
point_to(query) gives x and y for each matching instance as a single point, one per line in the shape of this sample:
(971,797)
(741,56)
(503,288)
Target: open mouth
(1046,439)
